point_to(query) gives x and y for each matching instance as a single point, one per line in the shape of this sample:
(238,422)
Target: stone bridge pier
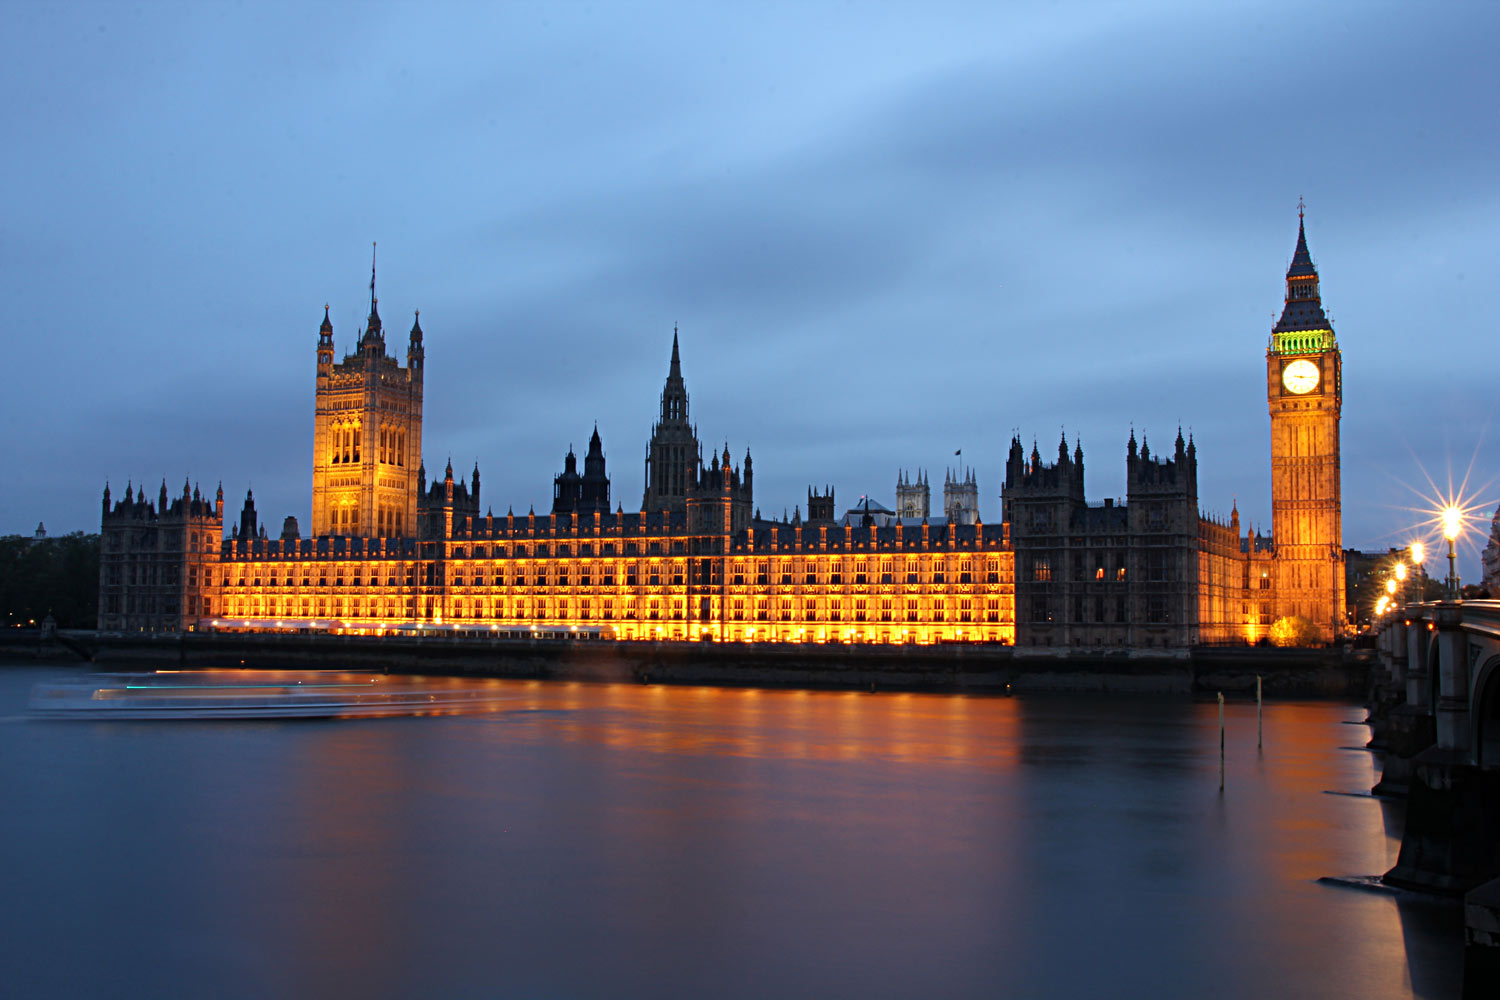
(1443,752)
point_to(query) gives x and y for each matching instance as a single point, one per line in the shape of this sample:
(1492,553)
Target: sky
(885,232)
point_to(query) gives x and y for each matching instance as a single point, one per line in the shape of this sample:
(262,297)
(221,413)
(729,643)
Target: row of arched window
(346,438)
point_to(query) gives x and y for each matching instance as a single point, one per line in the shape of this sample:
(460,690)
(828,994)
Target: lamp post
(1453,526)
(1418,553)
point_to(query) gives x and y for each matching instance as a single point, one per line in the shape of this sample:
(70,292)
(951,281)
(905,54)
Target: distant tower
(367,435)
(594,489)
(913,498)
(672,457)
(820,505)
(961,497)
(1305,391)
(585,494)
(567,485)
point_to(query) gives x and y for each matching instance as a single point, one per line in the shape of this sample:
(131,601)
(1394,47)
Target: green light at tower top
(1303,327)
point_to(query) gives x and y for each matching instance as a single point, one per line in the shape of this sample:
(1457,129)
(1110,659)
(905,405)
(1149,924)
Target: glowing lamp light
(1390,586)
(1382,604)
(1418,551)
(1453,522)
(1401,571)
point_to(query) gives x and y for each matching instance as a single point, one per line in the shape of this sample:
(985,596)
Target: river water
(624,840)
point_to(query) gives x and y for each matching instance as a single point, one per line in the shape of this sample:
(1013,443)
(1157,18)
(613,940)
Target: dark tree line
(56,576)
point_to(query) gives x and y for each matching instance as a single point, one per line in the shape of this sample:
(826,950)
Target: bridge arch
(1432,660)
(1484,709)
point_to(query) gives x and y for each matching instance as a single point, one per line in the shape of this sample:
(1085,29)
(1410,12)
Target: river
(626,840)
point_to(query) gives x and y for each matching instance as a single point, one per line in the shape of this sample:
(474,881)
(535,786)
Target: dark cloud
(885,237)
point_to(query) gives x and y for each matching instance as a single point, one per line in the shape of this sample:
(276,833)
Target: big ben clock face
(1301,376)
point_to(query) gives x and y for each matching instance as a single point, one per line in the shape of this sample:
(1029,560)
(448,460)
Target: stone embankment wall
(954,668)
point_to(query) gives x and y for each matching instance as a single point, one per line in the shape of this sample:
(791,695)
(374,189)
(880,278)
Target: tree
(56,576)
(1294,630)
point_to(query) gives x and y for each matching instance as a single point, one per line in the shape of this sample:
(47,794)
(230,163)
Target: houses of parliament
(391,550)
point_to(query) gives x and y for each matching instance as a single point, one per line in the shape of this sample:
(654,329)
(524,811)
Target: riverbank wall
(974,668)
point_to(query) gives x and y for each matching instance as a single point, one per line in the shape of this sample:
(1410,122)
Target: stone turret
(913,495)
(961,496)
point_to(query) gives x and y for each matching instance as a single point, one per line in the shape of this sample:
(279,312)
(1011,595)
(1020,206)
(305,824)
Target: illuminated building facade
(695,562)
(367,434)
(1305,391)
(698,562)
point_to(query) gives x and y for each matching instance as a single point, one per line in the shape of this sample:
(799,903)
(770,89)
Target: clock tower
(1305,389)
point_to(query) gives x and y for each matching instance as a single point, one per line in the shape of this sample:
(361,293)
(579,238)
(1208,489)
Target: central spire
(674,397)
(374,334)
(1303,326)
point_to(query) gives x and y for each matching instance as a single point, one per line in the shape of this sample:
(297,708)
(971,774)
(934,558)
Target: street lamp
(1453,526)
(1400,571)
(1418,553)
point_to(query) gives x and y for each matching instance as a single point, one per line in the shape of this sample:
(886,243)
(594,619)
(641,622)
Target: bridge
(1445,657)
(1440,708)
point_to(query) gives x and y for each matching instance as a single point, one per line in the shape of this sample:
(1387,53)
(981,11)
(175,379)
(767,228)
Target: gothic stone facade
(389,552)
(159,562)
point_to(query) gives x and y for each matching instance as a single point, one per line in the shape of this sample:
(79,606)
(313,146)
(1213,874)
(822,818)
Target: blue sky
(886,233)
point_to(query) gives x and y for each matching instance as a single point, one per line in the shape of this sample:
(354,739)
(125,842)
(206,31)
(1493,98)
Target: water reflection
(620,840)
(174,695)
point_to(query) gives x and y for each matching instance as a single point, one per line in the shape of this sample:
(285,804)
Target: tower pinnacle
(1303,326)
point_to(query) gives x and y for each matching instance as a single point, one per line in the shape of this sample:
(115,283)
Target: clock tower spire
(1305,392)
